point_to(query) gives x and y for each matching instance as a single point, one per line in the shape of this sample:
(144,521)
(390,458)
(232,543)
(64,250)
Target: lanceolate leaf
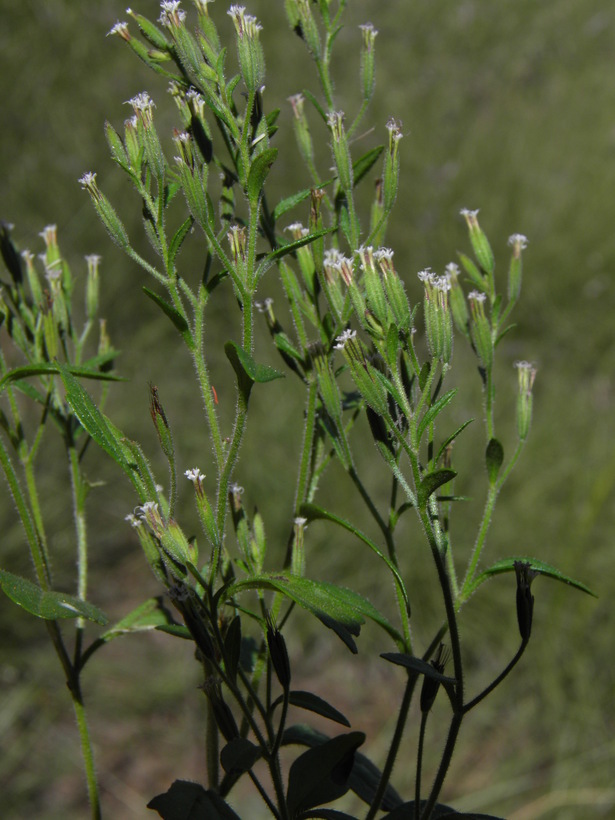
(189,801)
(417,665)
(312,512)
(494,456)
(258,173)
(44,369)
(174,315)
(247,370)
(338,608)
(508,565)
(364,164)
(451,438)
(311,702)
(47,604)
(284,250)
(290,202)
(149,615)
(434,410)
(92,420)
(431,482)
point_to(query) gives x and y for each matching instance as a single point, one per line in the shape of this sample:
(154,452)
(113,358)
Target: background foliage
(507,107)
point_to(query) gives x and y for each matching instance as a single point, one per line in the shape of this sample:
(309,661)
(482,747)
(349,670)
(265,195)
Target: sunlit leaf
(47,604)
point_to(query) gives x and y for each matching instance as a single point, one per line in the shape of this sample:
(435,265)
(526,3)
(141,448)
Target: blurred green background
(508,107)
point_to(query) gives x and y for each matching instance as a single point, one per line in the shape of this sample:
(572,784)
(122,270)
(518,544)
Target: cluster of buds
(249,48)
(438,319)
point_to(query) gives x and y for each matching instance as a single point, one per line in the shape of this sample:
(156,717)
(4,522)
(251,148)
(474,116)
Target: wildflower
(344,337)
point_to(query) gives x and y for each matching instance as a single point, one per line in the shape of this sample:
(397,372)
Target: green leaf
(91,419)
(239,755)
(494,456)
(45,603)
(417,665)
(313,512)
(151,614)
(473,272)
(49,368)
(430,483)
(364,164)
(174,315)
(289,203)
(190,801)
(259,170)
(434,410)
(365,776)
(291,247)
(451,438)
(312,703)
(178,238)
(508,565)
(321,775)
(342,610)
(248,372)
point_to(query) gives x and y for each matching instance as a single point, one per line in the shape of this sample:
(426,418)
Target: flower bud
(223,716)
(518,243)
(480,243)
(390,176)
(279,656)
(364,374)
(480,328)
(297,560)
(525,599)
(394,289)
(92,287)
(459,308)
(368,77)
(302,129)
(374,292)
(143,107)
(161,424)
(105,210)
(249,48)
(431,686)
(527,374)
(307,25)
(438,319)
(327,385)
(133,145)
(33,280)
(341,151)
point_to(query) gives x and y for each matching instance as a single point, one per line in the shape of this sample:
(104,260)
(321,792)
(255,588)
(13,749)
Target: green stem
(88,755)
(480,542)
(394,747)
(308,443)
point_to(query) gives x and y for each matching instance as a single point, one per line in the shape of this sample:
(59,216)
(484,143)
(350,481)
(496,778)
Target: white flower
(121,29)
(344,337)
(194,475)
(477,296)
(518,240)
(141,102)
(467,213)
(88,180)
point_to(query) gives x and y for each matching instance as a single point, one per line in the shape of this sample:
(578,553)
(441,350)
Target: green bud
(258,543)
(457,300)
(279,655)
(480,328)
(368,77)
(117,147)
(106,212)
(151,32)
(206,514)
(363,372)
(305,258)
(92,287)
(525,599)
(249,48)
(143,107)
(161,424)
(307,26)
(341,151)
(480,243)
(374,291)
(438,318)
(394,289)
(193,176)
(149,545)
(390,174)
(176,545)
(33,280)
(297,560)
(431,686)
(376,223)
(207,34)
(518,242)
(527,375)
(302,129)
(327,384)
(134,149)
(51,336)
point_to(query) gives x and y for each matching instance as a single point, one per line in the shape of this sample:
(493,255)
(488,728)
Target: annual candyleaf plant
(349,336)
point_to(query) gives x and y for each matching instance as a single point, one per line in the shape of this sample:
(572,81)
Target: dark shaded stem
(419,765)
(447,755)
(475,701)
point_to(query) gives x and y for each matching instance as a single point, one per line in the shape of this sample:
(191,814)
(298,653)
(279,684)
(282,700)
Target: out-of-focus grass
(506,106)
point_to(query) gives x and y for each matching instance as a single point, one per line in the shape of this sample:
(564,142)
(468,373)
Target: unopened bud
(92,287)
(431,686)
(368,77)
(480,328)
(459,308)
(302,129)
(527,374)
(249,48)
(525,599)
(480,243)
(390,175)
(105,210)
(518,243)
(279,655)
(341,151)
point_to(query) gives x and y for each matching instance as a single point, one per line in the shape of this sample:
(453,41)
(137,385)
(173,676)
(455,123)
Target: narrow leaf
(342,610)
(49,368)
(149,615)
(45,604)
(291,247)
(312,703)
(435,409)
(289,203)
(364,164)
(417,665)
(258,174)
(508,565)
(430,483)
(451,438)
(174,315)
